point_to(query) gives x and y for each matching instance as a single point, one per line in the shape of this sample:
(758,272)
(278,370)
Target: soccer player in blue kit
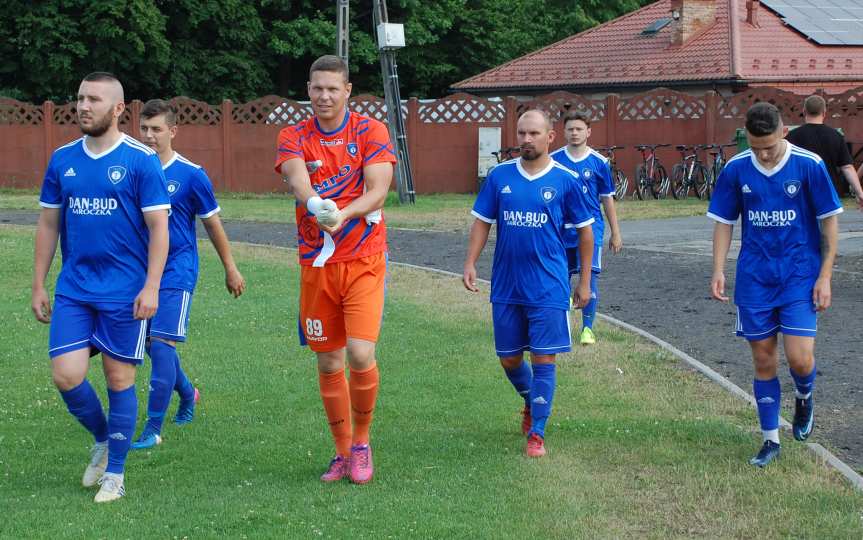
(595,172)
(531,200)
(191,195)
(788,207)
(105,197)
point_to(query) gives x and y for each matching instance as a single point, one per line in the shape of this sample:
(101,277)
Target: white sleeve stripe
(481,217)
(49,205)
(720,219)
(579,225)
(210,213)
(831,213)
(607,194)
(156,207)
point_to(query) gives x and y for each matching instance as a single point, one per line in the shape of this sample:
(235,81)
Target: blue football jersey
(780,253)
(531,213)
(102,199)
(595,172)
(191,196)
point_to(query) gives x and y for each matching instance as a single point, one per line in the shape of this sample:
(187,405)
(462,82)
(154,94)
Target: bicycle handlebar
(651,146)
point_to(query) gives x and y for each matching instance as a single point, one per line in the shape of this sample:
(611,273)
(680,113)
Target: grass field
(441,212)
(638,446)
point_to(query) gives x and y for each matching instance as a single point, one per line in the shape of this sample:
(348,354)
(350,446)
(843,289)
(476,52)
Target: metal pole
(392,97)
(342,12)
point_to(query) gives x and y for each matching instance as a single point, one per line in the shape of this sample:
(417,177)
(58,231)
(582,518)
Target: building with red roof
(693,46)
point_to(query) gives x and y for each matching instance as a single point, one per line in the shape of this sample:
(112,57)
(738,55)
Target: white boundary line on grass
(850,474)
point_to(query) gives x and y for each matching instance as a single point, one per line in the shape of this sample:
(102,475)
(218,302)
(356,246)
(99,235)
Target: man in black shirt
(829,144)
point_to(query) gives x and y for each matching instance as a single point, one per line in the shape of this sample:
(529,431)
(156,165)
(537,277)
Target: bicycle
(506,154)
(690,174)
(718,163)
(621,182)
(650,175)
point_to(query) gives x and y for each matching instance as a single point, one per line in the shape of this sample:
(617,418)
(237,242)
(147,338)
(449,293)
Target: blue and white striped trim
(156,207)
(50,205)
(142,341)
(138,145)
(798,151)
(834,212)
(584,223)
(184,312)
(186,161)
(481,217)
(68,144)
(212,212)
(720,219)
(68,345)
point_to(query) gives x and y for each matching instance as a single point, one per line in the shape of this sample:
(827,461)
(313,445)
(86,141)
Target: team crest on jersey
(116,174)
(173,187)
(548,194)
(352,149)
(792,187)
(586,173)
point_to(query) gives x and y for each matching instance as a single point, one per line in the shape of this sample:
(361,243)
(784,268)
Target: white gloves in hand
(325,210)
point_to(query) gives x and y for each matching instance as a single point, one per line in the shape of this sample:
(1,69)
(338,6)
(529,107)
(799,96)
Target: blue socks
(122,413)
(520,378)
(804,383)
(768,396)
(588,312)
(84,405)
(541,396)
(162,379)
(183,386)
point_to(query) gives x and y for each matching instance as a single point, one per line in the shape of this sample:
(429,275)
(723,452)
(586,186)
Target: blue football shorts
(795,319)
(109,327)
(172,318)
(540,330)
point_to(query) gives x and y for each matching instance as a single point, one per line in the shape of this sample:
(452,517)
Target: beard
(529,153)
(99,127)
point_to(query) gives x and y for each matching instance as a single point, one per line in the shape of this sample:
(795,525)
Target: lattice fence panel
(461,108)
(789,104)
(847,104)
(557,104)
(18,113)
(271,110)
(191,111)
(371,106)
(65,114)
(661,103)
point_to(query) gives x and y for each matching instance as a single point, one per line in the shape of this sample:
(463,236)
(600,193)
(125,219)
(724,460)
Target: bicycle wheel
(642,185)
(701,182)
(621,185)
(679,188)
(659,182)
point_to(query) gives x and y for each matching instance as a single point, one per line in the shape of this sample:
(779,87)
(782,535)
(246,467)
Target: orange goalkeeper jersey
(335,162)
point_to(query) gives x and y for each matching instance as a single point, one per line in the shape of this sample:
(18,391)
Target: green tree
(49,46)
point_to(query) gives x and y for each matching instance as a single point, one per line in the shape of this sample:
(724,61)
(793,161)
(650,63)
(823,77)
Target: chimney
(690,18)
(752,12)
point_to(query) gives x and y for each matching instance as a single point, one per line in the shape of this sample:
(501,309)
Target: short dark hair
(763,119)
(155,107)
(329,62)
(101,76)
(577,114)
(814,105)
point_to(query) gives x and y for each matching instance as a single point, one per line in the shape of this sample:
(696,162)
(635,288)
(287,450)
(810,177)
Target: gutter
(734,21)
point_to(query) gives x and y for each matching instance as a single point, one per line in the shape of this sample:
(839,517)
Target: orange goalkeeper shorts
(342,300)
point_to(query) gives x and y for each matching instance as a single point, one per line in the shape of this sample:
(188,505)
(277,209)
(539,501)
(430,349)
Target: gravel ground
(660,283)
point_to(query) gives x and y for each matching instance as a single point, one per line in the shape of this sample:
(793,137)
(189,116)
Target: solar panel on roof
(656,26)
(826,22)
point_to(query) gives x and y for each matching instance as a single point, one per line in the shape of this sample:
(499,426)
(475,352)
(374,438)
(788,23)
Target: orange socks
(337,404)
(364,394)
